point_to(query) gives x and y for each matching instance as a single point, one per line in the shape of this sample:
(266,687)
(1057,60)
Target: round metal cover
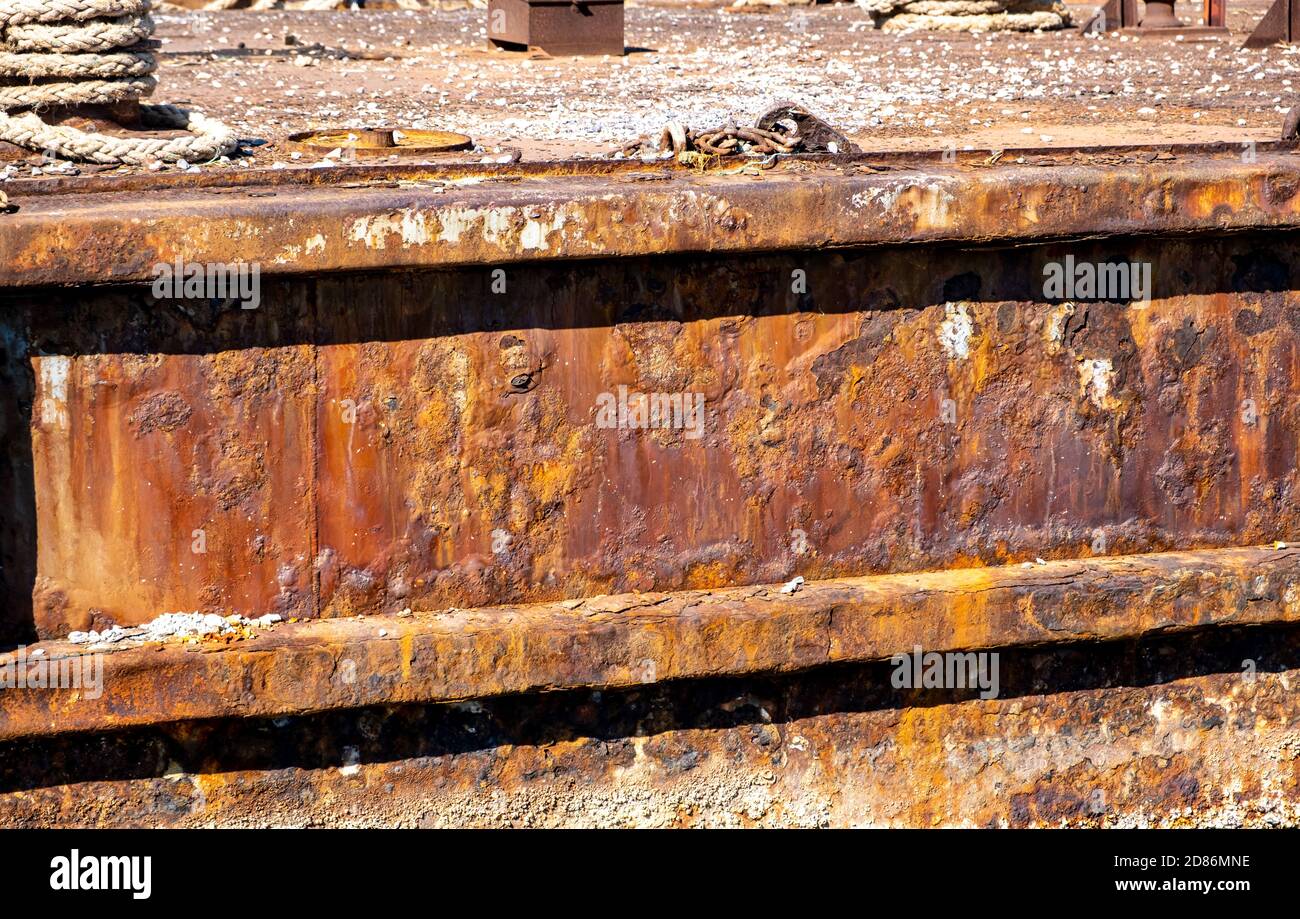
(376,142)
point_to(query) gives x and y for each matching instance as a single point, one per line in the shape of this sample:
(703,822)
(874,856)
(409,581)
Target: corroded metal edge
(69,238)
(638,639)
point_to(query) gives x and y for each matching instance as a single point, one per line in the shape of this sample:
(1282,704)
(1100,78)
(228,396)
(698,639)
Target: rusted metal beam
(1171,732)
(637,639)
(430,221)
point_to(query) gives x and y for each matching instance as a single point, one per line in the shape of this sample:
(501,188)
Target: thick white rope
(56,53)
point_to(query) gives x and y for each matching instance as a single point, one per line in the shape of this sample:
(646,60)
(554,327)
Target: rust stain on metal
(187,476)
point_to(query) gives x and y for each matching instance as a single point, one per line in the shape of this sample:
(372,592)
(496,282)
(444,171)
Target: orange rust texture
(1164,732)
(824,414)
(170,481)
(1069,427)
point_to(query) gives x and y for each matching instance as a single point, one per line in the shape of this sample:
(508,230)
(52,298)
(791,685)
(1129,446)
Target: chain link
(728,140)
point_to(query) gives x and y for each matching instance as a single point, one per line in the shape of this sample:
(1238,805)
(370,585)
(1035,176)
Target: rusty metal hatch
(367,143)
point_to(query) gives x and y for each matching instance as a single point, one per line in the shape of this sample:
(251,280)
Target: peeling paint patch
(929,201)
(535,232)
(956,330)
(883,198)
(316,244)
(932,206)
(54,371)
(414,232)
(1096,376)
(374,231)
(455,222)
(1054,328)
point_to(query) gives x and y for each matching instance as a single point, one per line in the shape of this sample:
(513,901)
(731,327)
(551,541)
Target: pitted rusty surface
(634,639)
(359,444)
(1191,731)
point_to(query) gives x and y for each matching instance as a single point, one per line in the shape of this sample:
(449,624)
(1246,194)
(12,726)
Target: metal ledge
(405,217)
(634,639)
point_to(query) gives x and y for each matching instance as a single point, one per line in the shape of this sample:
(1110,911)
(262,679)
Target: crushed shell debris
(189,628)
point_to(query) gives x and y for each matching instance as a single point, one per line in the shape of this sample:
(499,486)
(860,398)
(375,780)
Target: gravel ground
(702,65)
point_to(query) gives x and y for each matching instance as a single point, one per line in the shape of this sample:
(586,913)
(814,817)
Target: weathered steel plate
(170,475)
(364,449)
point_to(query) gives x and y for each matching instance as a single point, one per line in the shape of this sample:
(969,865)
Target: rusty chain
(787,128)
(727,140)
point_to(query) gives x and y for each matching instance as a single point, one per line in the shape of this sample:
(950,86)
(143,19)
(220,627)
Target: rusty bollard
(1159,14)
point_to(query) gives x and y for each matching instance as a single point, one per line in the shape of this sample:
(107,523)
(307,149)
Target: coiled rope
(56,53)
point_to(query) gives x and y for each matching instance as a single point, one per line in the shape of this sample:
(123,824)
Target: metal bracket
(1280,24)
(1115,15)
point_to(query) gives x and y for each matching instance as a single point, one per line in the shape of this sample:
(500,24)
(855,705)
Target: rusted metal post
(1159,14)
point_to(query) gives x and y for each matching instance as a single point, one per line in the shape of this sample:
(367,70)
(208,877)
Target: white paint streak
(414,232)
(54,372)
(536,231)
(364,230)
(955,331)
(929,201)
(494,222)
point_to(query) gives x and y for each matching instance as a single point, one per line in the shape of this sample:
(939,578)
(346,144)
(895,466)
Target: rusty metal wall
(914,408)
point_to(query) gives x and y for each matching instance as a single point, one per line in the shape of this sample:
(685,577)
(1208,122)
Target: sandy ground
(270,73)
